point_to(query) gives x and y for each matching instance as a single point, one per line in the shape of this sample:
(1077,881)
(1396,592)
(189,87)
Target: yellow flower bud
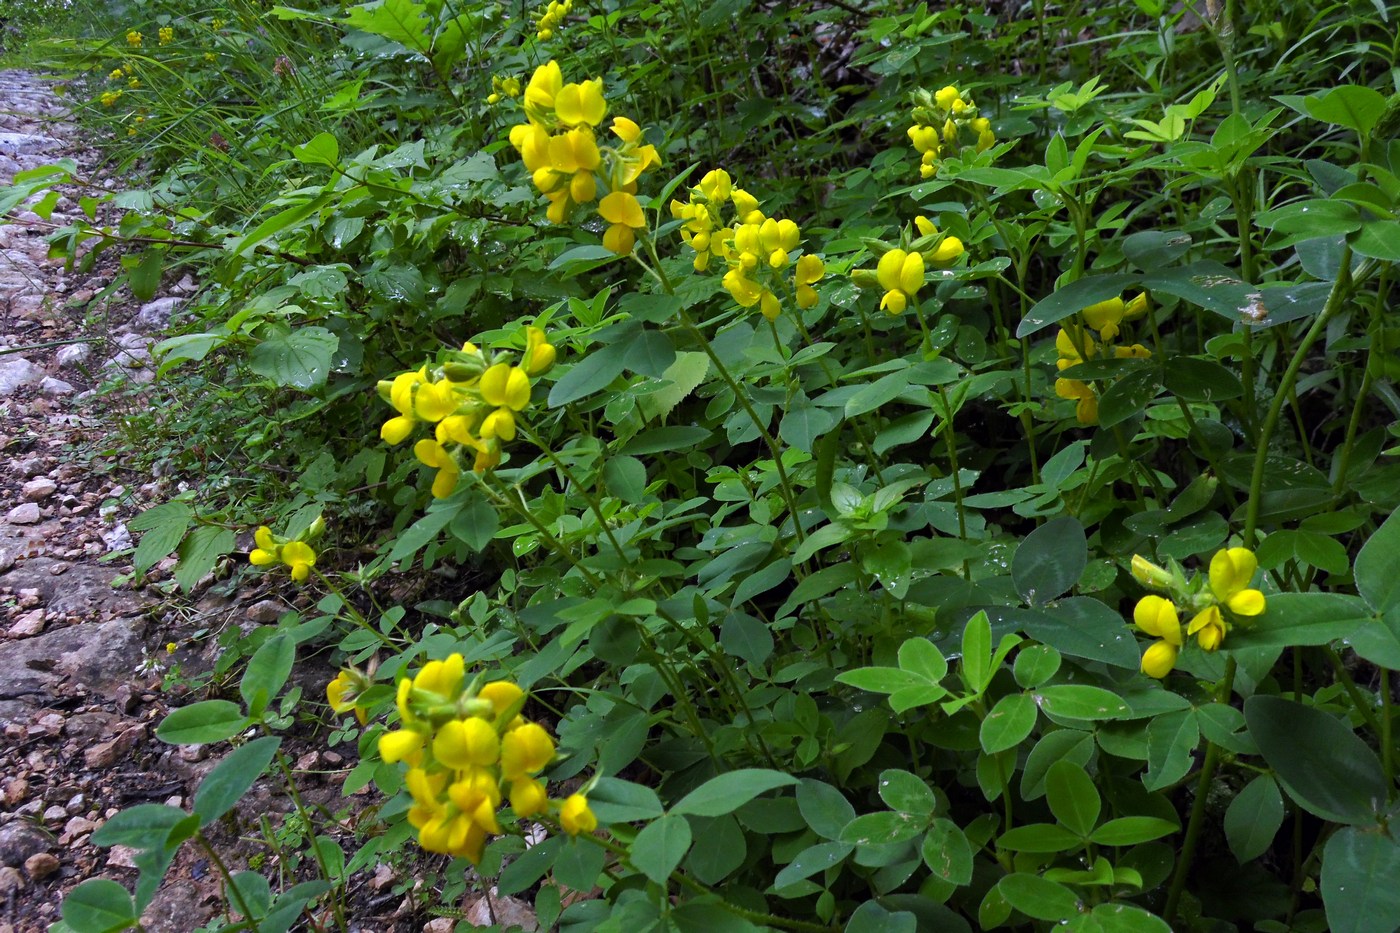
(1159,659)
(575,816)
(464,743)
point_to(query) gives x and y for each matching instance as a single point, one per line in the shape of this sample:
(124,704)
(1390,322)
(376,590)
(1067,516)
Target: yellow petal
(911,274)
(887,271)
(1159,659)
(1246,603)
(396,430)
(619,207)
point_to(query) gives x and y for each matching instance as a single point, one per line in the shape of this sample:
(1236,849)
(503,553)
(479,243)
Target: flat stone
(17,373)
(75,354)
(29,624)
(40,865)
(155,315)
(38,489)
(26,514)
(55,387)
(101,656)
(19,839)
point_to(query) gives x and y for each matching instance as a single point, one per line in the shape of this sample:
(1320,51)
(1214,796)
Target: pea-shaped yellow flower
(400,745)
(267,549)
(465,743)
(300,557)
(539,352)
(1159,659)
(946,96)
(1209,628)
(525,750)
(1105,316)
(901,274)
(948,251)
(501,694)
(575,816)
(432,454)
(1087,409)
(1230,573)
(581,104)
(624,214)
(1158,617)
(528,797)
(810,270)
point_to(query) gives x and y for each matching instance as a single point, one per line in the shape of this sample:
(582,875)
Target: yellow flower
(442,677)
(624,213)
(1074,351)
(267,549)
(400,745)
(539,352)
(946,96)
(528,798)
(1157,617)
(1230,573)
(581,104)
(116,75)
(575,816)
(1136,307)
(343,692)
(525,750)
(1149,574)
(299,556)
(901,274)
(1159,659)
(1105,317)
(465,743)
(543,87)
(1087,411)
(133,39)
(501,694)
(810,270)
(507,386)
(431,453)
(170,647)
(948,251)
(1209,628)
(166,35)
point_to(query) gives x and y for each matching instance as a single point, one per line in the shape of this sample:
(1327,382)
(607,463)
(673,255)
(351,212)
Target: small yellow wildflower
(133,39)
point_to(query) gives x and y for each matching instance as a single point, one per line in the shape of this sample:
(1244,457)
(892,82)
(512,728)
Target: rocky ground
(85,670)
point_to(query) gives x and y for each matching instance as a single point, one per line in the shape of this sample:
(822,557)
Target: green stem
(1198,807)
(234,894)
(1340,289)
(295,794)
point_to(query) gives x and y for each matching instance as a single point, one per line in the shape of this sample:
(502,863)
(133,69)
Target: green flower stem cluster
(468,749)
(1215,597)
(471,400)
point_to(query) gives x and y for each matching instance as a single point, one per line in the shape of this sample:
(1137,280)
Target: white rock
(55,387)
(27,514)
(75,354)
(17,372)
(155,315)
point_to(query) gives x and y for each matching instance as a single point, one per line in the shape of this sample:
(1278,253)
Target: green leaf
(659,847)
(826,809)
(1354,106)
(267,671)
(906,792)
(300,359)
(1378,640)
(399,20)
(614,800)
(579,864)
(1318,759)
(1050,560)
(1008,723)
(199,552)
(144,826)
(1171,738)
(222,787)
(1359,870)
(1039,837)
(729,792)
(1118,918)
(202,723)
(1072,797)
(1292,619)
(1128,396)
(530,866)
(976,653)
(947,853)
(1035,897)
(1081,701)
(650,353)
(921,657)
(255,891)
(588,375)
(322,149)
(811,860)
(1035,664)
(668,439)
(99,905)
(1132,830)
(144,277)
(1074,297)
(1376,579)
(1253,819)
(746,637)
(475,524)
(804,422)
(684,375)
(879,829)
(870,917)
(164,527)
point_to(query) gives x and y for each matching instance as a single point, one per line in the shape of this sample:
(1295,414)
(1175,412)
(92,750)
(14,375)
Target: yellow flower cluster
(501,88)
(133,39)
(473,401)
(1076,347)
(166,35)
(110,98)
(297,553)
(561,152)
(552,18)
(468,748)
(943,123)
(1226,586)
(902,271)
(755,248)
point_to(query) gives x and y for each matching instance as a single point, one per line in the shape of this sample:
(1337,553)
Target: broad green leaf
(1074,297)
(1039,837)
(530,866)
(1254,818)
(300,359)
(598,368)
(826,809)
(1072,797)
(322,149)
(1132,830)
(1081,701)
(684,376)
(1008,723)
(879,829)
(267,671)
(614,800)
(164,527)
(811,860)
(1354,106)
(1292,619)
(1171,738)
(870,917)
(202,723)
(1050,560)
(1129,396)
(199,552)
(222,787)
(1375,570)
(921,657)
(1359,890)
(399,20)
(728,792)
(947,853)
(1318,759)
(659,847)
(1035,897)
(906,792)
(99,905)
(144,826)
